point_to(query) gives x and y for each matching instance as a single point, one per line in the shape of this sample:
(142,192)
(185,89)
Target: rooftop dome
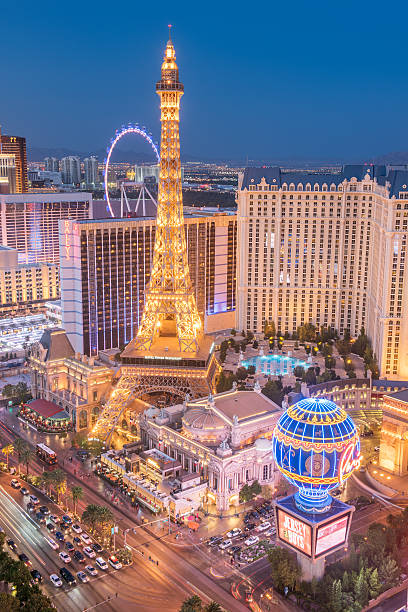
(202,423)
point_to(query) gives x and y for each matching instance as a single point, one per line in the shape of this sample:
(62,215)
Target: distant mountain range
(397,157)
(120,155)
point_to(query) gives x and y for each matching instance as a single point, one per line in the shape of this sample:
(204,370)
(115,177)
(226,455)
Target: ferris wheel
(144,193)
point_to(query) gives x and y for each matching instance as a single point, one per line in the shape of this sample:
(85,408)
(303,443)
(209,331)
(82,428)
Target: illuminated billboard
(331,535)
(295,532)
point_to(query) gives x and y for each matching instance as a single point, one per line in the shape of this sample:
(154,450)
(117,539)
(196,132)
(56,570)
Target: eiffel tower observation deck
(170,355)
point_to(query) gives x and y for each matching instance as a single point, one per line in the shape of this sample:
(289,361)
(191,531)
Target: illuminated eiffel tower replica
(170,354)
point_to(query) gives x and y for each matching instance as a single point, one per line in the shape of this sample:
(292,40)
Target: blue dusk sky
(265,80)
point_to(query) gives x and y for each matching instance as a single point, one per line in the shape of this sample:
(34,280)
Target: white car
(65,557)
(114,562)
(264,526)
(82,577)
(76,528)
(85,538)
(52,543)
(15,483)
(54,518)
(101,563)
(234,532)
(34,500)
(56,580)
(89,552)
(91,570)
(270,532)
(252,540)
(225,544)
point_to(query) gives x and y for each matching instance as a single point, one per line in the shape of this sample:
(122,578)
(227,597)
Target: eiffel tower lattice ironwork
(170,354)
(169,296)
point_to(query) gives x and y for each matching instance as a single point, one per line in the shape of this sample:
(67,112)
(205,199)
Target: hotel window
(265,472)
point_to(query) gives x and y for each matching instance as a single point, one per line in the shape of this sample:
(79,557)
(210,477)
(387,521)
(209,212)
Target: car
(214,540)
(65,557)
(255,514)
(24,491)
(40,517)
(270,532)
(234,550)
(34,500)
(24,559)
(54,545)
(225,544)
(77,541)
(91,570)
(50,527)
(76,528)
(11,544)
(101,563)
(89,552)
(45,510)
(60,536)
(78,556)
(15,483)
(67,576)
(82,577)
(56,580)
(234,532)
(69,546)
(30,508)
(55,519)
(66,519)
(114,562)
(264,526)
(251,540)
(250,526)
(36,575)
(85,538)
(96,547)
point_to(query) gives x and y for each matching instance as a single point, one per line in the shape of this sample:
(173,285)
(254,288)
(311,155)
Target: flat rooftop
(167,347)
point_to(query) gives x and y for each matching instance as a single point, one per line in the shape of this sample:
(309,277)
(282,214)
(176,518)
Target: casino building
(225,440)
(327,248)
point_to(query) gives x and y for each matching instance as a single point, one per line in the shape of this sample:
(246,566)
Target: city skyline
(256,89)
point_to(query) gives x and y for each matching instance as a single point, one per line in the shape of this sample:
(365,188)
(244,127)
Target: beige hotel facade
(326,248)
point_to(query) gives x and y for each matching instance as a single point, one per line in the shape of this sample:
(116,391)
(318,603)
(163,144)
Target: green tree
(256,488)
(46,481)
(192,604)
(241,373)
(299,372)
(8,391)
(310,376)
(213,606)
(245,494)
(90,516)
(273,390)
(388,572)
(285,570)
(9,603)
(336,597)
(77,493)
(306,332)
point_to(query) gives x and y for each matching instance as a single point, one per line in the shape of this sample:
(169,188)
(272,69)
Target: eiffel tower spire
(170,306)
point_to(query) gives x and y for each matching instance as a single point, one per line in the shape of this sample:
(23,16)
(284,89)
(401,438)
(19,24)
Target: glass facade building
(105,266)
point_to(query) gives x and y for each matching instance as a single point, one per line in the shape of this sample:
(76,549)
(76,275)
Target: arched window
(292,187)
(324,187)
(300,187)
(332,187)
(284,187)
(308,187)
(83,419)
(316,187)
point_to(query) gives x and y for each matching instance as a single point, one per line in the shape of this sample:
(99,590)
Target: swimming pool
(275,365)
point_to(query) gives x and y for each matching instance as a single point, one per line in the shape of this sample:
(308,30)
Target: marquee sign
(295,532)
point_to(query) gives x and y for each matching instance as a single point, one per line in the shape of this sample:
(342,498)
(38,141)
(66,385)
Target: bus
(46,454)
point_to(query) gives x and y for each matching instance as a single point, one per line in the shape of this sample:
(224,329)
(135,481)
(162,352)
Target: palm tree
(106,518)
(213,606)
(8,450)
(59,480)
(90,516)
(19,446)
(26,456)
(77,493)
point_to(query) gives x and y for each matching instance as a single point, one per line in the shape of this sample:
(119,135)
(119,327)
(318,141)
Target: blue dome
(316,447)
